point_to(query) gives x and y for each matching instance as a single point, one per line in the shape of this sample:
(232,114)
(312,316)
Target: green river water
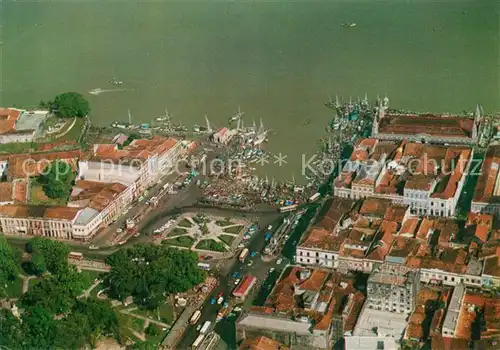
(279,61)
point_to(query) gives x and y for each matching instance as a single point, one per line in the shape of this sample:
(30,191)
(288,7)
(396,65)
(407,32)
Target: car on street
(208,257)
(93,247)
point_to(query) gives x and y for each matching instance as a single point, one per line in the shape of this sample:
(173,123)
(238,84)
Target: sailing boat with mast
(122,125)
(261,134)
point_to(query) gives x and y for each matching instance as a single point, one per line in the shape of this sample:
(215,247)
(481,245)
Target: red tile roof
(6,191)
(97,195)
(262,343)
(435,125)
(8,119)
(27,211)
(139,149)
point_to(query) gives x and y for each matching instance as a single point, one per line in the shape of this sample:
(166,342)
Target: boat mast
(261,127)
(209,128)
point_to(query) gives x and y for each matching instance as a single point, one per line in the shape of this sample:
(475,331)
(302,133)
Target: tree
(131,137)
(87,322)
(70,104)
(48,255)
(38,328)
(8,264)
(10,329)
(55,293)
(57,179)
(142,345)
(148,272)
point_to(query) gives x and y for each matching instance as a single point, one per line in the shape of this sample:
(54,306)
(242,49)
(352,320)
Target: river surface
(278,61)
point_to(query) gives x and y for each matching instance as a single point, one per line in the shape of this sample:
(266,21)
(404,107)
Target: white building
(427,178)
(106,185)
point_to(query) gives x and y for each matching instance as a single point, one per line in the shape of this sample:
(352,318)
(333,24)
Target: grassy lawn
(224,222)
(180,241)
(16,147)
(75,131)
(89,277)
(97,289)
(165,311)
(38,196)
(13,289)
(210,244)
(177,231)
(50,121)
(185,223)
(199,219)
(126,324)
(137,324)
(154,334)
(234,229)
(227,239)
(32,282)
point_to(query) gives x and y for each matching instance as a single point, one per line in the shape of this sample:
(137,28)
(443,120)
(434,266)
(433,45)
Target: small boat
(349,25)
(212,301)
(96,91)
(116,81)
(220,300)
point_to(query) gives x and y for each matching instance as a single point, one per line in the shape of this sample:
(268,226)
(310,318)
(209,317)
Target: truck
(205,328)
(243,255)
(314,197)
(288,208)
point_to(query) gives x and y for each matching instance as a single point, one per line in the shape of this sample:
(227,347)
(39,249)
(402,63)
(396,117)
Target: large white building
(428,178)
(109,179)
(425,127)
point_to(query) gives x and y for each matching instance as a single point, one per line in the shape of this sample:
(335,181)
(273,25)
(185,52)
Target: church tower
(476,122)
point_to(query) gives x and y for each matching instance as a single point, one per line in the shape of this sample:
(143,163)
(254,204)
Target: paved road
(259,269)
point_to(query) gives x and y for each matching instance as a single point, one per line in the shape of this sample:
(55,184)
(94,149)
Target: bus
(198,341)
(204,266)
(314,197)
(288,208)
(243,255)
(205,328)
(196,317)
(75,256)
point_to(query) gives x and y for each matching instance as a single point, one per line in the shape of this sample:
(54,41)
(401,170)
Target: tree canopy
(148,272)
(48,255)
(56,293)
(87,321)
(57,179)
(70,104)
(8,263)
